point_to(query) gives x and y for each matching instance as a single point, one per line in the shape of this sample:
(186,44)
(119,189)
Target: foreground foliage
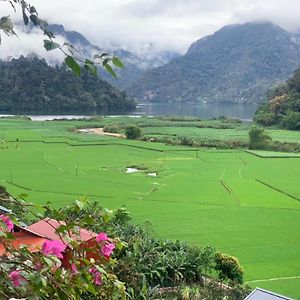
(139,267)
(186,201)
(74,60)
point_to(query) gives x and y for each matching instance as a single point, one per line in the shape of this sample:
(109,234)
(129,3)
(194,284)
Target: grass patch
(187,201)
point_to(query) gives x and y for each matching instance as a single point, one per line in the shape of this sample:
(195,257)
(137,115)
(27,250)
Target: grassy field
(241,203)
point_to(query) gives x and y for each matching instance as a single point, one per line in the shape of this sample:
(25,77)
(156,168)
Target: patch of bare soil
(99,131)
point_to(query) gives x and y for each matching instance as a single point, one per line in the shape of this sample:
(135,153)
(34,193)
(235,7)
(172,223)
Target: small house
(260,294)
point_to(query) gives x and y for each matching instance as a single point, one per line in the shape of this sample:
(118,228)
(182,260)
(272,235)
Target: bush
(133,132)
(112,128)
(258,138)
(229,268)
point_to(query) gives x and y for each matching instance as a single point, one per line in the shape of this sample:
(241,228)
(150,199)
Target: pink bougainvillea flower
(74,269)
(101,237)
(97,276)
(107,249)
(7,221)
(16,278)
(53,248)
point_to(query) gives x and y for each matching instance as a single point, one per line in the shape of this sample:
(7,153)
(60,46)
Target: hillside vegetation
(30,85)
(283,105)
(238,63)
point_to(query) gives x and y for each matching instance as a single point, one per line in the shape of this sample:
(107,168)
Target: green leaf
(49,45)
(48,261)
(35,20)
(44,281)
(105,61)
(7,26)
(90,66)
(110,70)
(79,204)
(25,18)
(62,295)
(33,10)
(71,47)
(117,62)
(73,65)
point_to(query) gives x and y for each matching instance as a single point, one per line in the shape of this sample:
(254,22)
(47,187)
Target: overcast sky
(165,24)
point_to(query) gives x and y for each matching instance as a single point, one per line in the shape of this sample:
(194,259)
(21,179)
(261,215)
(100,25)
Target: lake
(203,110)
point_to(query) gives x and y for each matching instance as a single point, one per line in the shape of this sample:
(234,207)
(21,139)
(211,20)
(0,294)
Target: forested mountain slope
(283,105)
(238,63)
(135,65)
(30,85)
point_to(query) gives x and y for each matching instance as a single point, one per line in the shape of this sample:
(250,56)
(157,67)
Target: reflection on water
(203,110)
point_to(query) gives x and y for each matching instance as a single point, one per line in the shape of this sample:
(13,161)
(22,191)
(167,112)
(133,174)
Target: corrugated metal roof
(260,294)
(47,228)
(24,238)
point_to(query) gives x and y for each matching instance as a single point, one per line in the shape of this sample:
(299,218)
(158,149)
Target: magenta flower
(107,249)
(16,278)
(97,276)
(101,237)
(53,248)
(7,221)
(74,269)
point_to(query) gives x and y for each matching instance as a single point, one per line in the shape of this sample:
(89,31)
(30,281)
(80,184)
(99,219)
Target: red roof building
(36,234)
(47,228)
(24,237)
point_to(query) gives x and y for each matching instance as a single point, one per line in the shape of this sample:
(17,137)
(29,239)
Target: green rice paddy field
(241,203)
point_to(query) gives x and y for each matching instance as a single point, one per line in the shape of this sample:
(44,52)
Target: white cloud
(166,24)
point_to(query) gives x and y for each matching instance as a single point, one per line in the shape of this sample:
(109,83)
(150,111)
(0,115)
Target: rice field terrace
(243,203)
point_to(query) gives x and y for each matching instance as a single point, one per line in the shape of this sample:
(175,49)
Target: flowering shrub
(8,224)
(70,268)
(41,274)
(53,248)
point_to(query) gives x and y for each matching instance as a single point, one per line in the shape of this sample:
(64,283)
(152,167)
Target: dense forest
(283,105)
(238,63)
(30,85)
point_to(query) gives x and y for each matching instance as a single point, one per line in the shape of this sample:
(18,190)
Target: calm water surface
(204,110)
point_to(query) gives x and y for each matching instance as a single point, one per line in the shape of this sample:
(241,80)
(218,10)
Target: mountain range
(135,64)
(238,63)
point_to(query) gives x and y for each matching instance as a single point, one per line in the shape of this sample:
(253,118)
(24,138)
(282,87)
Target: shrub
(258,138)
(229,268)
(133,132)
(112,128)
(52,273)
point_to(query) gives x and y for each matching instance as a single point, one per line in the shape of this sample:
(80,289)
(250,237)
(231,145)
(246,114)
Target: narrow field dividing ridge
(278,190)
(273,279)
(53,192)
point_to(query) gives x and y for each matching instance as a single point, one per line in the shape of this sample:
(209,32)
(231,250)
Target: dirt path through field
(100,131)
